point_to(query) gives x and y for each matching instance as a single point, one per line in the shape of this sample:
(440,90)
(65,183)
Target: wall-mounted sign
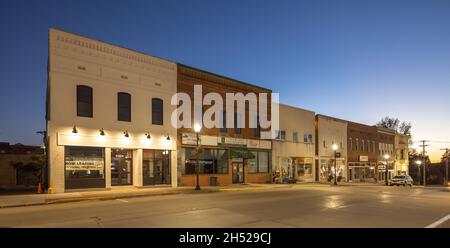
(232,141)
(363,158)
(80,163)
(190,139)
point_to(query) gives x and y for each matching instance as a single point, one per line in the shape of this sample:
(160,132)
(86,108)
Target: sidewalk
(7,201)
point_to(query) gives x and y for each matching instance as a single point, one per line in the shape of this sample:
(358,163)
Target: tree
(395,124)
(35,166)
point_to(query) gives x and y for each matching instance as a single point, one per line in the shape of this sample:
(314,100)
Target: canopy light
(74,129)
(168,137)
(148,135)
(126,134)
(102,133)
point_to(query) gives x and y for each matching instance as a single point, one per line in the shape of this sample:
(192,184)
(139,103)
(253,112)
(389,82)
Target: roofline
(333,118)
(168,60)
(294,107)
(224,77)
(112,44)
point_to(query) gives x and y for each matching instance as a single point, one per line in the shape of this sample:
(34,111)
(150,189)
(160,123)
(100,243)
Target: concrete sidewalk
(7,201)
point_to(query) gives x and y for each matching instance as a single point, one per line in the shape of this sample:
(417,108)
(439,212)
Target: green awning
(241,153)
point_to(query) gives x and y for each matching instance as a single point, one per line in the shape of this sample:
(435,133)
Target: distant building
(293,151)
(362,149)
(401,154)
(386,144)
(10,176)
(329,131)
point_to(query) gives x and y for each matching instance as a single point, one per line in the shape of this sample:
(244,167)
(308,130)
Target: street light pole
(386,157)
(197,129)
(418,162)
(446,166)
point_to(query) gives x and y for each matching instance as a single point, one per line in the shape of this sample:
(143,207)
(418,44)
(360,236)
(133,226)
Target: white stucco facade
(401,154)
(107,69)
(331,131)
(293,156)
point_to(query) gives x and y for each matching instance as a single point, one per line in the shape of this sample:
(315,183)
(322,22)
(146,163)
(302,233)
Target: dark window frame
(157,114)
(119,107)
(90,101)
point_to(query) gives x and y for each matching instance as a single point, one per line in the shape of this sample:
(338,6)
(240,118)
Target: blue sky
(356,60)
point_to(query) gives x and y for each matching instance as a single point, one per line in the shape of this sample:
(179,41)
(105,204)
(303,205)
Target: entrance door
(121,167)
(238,173)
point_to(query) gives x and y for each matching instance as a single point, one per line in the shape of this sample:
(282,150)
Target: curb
(105,198)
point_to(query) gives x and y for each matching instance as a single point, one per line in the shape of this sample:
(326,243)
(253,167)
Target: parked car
(402,180)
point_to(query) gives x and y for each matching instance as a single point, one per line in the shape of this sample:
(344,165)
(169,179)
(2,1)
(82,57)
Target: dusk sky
(355,60)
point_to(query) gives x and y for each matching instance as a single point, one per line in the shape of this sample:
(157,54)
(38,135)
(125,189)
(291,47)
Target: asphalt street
(290,206)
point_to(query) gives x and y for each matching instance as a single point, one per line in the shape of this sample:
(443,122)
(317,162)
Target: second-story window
(84,101)
(223,129)
(237,121)
(157,111)
(123,106)
(295,137)
(258,128)
(350,144)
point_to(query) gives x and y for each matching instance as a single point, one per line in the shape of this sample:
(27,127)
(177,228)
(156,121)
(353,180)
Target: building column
(137,168)
(174,168)
(56,165)
(108,168)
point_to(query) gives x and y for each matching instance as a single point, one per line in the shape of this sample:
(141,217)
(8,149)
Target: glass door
(238,173)
(121,167)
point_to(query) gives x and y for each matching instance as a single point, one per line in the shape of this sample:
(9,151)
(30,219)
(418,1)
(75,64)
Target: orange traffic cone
(40,191)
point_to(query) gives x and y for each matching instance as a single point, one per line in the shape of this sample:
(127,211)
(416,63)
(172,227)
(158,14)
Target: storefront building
(386,146)
(401,166)
(331,131)
(108,116)
(293,150)
(362,146)
(227,155)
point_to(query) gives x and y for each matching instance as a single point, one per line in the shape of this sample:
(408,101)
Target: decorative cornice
(101,49)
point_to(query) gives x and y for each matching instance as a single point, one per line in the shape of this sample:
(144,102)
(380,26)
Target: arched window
(157,111)
(84,101)
(123,106)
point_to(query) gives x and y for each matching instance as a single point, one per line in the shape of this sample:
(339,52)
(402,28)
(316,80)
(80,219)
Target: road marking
(122,200)
(439,222)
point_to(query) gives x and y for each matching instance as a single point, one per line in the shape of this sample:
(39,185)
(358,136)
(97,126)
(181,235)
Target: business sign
(363,158)
(82,163)
(232,141)
(338,155)
(189,139)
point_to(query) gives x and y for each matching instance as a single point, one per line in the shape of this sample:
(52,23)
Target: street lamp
(386,157)
(335,147)
(419,162)
(197,129)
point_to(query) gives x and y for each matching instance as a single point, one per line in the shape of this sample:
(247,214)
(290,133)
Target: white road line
(439,222)
(122,200)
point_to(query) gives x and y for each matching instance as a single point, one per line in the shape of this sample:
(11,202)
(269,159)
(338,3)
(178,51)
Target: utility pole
(424,161)
(446,166)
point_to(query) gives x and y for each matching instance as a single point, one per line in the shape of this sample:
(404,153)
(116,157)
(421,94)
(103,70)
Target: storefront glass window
(84,167)
(253,163)
(263,162)
(156,167)
(212,161)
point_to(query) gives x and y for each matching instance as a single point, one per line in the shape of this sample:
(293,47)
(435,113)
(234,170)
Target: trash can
(213,181)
